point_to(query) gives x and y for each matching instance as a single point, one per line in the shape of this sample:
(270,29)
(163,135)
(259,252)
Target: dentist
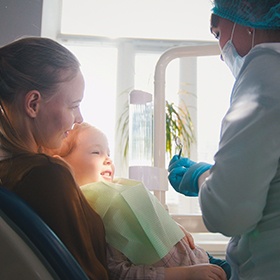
(240,194)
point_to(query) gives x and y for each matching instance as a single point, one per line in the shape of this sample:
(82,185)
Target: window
(156,19)
(98,106)
(96,31)
(99,68)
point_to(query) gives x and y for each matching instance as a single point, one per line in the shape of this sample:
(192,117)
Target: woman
(241,195)
(41,87)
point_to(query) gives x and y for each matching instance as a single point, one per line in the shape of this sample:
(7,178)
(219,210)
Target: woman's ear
(250,30)
(32,103)
(57,156)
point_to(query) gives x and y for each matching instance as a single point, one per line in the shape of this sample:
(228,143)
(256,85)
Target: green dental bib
(135,221)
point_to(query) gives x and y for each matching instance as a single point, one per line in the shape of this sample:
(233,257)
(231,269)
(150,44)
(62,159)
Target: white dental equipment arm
(159,99)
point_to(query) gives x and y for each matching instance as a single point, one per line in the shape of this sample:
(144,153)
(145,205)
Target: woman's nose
(79,117)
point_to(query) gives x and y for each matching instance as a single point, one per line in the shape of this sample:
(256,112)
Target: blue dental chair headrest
(17,216)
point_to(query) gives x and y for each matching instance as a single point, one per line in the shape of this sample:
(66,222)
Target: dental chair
(29,249)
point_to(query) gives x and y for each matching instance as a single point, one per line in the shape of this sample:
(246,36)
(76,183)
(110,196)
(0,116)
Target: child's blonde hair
(70,142)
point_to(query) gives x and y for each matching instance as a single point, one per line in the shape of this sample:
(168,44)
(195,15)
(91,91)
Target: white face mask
(231,57)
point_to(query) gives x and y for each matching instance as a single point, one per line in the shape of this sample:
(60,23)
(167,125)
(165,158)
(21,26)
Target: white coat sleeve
(233,197)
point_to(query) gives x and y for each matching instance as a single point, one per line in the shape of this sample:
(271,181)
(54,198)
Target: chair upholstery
(29,248)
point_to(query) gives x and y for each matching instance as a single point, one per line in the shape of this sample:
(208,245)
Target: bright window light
(168,19)
(157,19)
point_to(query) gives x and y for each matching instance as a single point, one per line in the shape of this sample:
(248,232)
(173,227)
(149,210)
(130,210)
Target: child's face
(90,158)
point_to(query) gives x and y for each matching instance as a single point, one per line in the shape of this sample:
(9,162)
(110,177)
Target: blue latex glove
(184,174)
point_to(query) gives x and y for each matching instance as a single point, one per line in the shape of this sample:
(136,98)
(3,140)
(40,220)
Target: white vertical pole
(188,94)
(125,83)
(188,98)
(51,18)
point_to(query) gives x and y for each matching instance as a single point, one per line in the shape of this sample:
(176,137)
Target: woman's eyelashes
(215,33)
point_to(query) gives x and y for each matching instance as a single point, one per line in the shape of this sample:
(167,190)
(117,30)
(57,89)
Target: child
(143,239)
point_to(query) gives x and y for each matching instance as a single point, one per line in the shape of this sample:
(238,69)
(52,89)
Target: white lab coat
(241,197)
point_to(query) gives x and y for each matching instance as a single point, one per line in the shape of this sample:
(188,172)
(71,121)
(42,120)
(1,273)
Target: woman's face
(90,158)
(58,114)
(222,30)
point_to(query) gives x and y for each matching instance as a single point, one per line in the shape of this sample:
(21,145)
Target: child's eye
(96,152)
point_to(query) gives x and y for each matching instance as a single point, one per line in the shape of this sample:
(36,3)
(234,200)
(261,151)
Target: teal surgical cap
(262,14)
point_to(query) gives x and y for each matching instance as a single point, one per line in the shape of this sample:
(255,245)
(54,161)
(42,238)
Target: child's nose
(108,161)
